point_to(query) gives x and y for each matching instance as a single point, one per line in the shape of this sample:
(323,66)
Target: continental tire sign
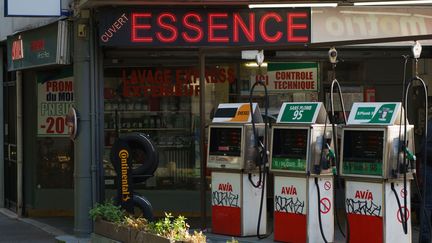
(125,193)
(121,160)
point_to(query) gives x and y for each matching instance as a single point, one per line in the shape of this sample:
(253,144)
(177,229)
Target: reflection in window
(56,162)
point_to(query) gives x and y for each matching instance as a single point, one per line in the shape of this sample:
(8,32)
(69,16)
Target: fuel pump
(416,51)
(371,146)
(233,157)
(333,58)
(301,159)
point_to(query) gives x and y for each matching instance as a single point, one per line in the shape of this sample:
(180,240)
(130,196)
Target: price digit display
(55,125)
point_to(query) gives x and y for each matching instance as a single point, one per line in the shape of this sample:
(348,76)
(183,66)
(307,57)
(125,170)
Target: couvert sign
(201,27)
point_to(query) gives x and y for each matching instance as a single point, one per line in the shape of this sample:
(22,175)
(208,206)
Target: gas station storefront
(166,73)
(369,73)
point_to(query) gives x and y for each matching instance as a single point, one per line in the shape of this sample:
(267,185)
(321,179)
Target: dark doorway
(10,138)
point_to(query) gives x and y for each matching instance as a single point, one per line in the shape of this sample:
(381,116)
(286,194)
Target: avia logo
(225,187)
(242,114)
(291,190)
(364,195)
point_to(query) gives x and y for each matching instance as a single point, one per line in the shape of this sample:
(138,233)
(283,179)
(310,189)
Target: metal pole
(19,141)
(202,141)
(100,108)
(94,114)
(83,153)
(2,75)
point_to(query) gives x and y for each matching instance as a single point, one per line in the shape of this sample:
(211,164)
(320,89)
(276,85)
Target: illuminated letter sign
(203,27)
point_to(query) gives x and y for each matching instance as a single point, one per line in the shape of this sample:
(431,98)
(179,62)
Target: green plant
(138,223)
(233,240)
(169,227)
(175,229)
(107,211)
(197,237)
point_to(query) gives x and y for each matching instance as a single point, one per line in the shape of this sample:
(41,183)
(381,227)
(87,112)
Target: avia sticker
(289,190)
(243,113)
(364,195)
(225,187)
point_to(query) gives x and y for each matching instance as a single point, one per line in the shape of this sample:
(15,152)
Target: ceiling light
(254,64)
(392,3)
(293,5)
(375,13)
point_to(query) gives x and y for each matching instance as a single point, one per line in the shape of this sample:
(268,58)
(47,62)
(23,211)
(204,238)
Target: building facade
(160,70)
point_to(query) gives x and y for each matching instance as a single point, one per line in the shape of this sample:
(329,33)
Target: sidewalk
(15,230)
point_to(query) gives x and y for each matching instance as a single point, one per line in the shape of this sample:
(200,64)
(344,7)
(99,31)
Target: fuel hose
(262,156)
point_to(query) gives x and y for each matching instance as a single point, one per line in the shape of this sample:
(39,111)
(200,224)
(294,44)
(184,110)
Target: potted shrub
(169,229)
(108,220)
(112,222)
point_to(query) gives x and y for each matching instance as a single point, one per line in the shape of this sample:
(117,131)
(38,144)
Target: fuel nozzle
(327,155)
(409,153)
(331,155)
(404,167)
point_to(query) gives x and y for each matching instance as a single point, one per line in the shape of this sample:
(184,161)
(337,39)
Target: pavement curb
(8,213)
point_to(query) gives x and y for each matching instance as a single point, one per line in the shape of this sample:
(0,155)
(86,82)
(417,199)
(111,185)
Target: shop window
(55,150)
(56,163)
(162,103)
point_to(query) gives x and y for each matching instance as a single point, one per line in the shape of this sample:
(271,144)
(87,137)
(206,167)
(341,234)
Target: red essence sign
(203,27)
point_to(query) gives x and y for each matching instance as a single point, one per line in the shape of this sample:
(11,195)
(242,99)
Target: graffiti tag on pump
(363,204)
(288,202)
(363,207)
(289,205)
(224,196)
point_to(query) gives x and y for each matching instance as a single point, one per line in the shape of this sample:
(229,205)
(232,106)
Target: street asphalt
(15,231)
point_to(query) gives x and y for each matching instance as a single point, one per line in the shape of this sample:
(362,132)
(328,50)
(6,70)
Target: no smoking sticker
(327,185)
(325,205)
(399,216)
(402,193)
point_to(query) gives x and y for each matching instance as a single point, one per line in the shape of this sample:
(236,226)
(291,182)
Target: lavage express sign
(203,27)
(55,97)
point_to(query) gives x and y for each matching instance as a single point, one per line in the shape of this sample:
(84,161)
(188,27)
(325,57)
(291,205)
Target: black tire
(145,206)
(143,152)
(142,203)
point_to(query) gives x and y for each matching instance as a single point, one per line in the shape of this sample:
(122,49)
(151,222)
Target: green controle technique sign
(289,164)
(362,168)
(299,113)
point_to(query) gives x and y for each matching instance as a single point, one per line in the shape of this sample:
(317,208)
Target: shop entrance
(10,148)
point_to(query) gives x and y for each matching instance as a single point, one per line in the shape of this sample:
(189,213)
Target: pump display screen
(289,149)
(225,141)
(363,152)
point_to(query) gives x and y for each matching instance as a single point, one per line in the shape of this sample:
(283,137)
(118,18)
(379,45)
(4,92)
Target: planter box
(112,231)
(141,236)
(127,235)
